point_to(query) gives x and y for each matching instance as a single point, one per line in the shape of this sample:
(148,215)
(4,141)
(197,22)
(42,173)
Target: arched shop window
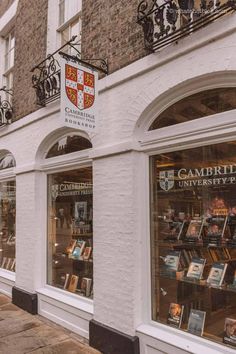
(7,211)
(67,145)
(6,161)
(199,105)
(70,220)
(193,221)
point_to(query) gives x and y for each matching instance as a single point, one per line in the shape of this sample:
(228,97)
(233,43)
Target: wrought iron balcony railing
(165,23)
(6,111)
(47,80)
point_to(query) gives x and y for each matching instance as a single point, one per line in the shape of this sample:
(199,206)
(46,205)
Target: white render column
(30,230)
(119,239)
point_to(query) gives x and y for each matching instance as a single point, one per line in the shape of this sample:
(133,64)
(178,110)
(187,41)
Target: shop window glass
(70,231)
(193,240)
(73,29)
(7,225)
(9,63)
(199,105)
(61,12)
(7,161)
(67,145)
(67,10)
(9,52)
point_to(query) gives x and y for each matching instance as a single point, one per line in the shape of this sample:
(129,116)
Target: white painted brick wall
(115,241)
(27,231)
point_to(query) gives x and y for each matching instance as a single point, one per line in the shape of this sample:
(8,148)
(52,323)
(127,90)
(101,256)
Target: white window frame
(61,12)
(70,20)
(7,175)
(218,128)
(54,29)
(8,76)
(67,162)
(6,25)
(8,50)
(69,26)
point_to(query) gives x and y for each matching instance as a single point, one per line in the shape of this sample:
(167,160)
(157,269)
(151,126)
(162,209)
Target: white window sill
(76,301)
(6,274)
(182,339)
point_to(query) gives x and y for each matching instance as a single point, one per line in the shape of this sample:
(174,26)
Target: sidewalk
(21,333)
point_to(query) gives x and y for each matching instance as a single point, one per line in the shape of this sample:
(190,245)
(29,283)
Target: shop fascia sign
(79,96)
(206,176)
(67,189)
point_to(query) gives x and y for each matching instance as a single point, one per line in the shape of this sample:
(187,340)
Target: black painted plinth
(111,341)
(25,300)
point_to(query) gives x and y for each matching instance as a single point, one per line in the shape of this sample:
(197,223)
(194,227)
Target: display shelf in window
(7,225)
(70,231)
(195,189)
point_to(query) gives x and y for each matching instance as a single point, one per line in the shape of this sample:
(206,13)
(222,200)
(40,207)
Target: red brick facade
(110,30)
(30,49)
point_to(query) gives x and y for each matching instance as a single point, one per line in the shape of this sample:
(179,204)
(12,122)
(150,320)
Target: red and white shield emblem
(80,87)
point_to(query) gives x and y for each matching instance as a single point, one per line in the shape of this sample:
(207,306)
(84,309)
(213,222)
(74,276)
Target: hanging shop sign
(78,96)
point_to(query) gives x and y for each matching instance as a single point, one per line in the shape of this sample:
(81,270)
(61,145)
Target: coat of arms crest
(54,191)
(166,179)
(80,87)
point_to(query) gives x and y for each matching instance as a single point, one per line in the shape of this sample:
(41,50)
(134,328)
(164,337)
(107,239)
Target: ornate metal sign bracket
(103,67)
(8,91)
(47,74)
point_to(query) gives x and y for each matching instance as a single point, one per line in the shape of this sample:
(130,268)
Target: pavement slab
(23,333)
(9,326)
(67,346)
(4,300)
(30,339)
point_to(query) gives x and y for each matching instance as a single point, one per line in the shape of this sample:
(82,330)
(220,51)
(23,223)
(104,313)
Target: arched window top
(6,160)
(67,145)
(201,104)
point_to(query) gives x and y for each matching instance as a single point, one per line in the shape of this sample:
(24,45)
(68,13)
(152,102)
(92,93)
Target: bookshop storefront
(7,221)
(67,296)
(56,278)
(193,222)
(70,220)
